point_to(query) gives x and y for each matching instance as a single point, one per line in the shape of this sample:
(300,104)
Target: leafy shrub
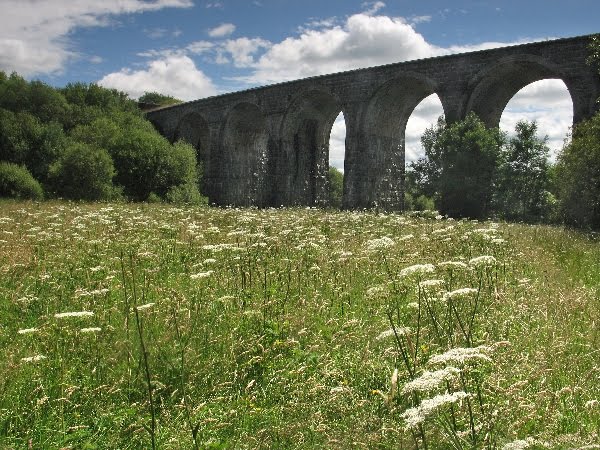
(336,188)
(17,182)
(578,176)
(84,172)
(187,194)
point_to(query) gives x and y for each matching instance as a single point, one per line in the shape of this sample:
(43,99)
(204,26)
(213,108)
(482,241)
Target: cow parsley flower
(91,330)
(460,355)
(144,307)
(35,358)
(417,269)
(429,381)
(28,330)
(417,415)
(457,293)
(451,265)
(380,243)
(200,275)
(401,331)
(74,314)
(483,261)
(430,283)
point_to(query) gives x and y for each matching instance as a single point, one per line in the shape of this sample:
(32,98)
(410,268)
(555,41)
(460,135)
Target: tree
(461,167)
(578,176)
(17,182)
(83,172)
(335,180)
(158,99)
(523,176)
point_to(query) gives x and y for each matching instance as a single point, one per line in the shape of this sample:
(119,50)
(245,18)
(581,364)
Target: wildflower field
(153,326)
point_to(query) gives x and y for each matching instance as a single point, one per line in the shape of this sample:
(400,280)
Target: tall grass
(138,326)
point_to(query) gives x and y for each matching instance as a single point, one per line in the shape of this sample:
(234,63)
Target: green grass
(271,329)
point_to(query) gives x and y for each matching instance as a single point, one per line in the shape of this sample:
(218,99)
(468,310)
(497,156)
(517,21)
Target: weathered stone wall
(268,146)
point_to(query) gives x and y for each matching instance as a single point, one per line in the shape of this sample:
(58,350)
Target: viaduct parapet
(269,146)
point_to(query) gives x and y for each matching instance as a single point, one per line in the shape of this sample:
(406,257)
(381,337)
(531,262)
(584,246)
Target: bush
(84,172)
(187,194)
(17,182)
(578,176)
(335,188)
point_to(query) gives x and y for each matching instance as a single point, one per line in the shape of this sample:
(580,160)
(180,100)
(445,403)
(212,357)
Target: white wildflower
(519,444)
(376,291)
(462,292)
(417,415)
(429,381)
(145,307)
(406,237)
(91,330)
(200,275)
(483,261)
(28,330)
(430,283)
(380,243)
(74,314)
(35,358)
(451,265)
(592,404)
(461,355)
(417,269)
(209,261)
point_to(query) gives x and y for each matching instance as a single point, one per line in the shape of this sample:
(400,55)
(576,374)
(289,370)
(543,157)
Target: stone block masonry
(269,146)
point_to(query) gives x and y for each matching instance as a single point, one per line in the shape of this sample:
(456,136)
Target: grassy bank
(128,326)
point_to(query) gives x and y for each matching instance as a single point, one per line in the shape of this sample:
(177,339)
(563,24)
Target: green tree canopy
(461,166)
(158,99)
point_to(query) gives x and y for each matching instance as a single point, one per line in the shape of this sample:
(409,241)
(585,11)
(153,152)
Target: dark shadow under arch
(242,175)
(303,162)
(380,181)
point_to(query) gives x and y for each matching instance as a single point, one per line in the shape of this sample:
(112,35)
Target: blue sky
(196,48)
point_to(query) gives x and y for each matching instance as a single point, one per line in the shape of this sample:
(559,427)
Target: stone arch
(243,157)
(304,149)
(194,129)
(493,87)
(382,139)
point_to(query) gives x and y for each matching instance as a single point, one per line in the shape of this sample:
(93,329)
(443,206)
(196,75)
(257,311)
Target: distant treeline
(87,142)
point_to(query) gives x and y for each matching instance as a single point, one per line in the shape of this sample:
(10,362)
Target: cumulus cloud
(546,102)
(362,41)
(225,29)
(174,75)
(34,34)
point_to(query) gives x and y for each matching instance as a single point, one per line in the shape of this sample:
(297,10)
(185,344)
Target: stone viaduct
(269,146)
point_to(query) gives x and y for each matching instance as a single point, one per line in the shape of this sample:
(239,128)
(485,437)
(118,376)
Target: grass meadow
(152,326)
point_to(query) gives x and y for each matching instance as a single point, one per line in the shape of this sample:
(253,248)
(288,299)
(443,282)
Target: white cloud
(34,35)
(372,7)
(225,29)
(362,41)
(174,75)
(337,143)
(242,50)
(546,102)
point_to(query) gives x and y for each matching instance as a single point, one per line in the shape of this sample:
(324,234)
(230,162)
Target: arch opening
(500,83)
(303,164)
(424,116)
(243,169)
(546,102)
(383,141)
